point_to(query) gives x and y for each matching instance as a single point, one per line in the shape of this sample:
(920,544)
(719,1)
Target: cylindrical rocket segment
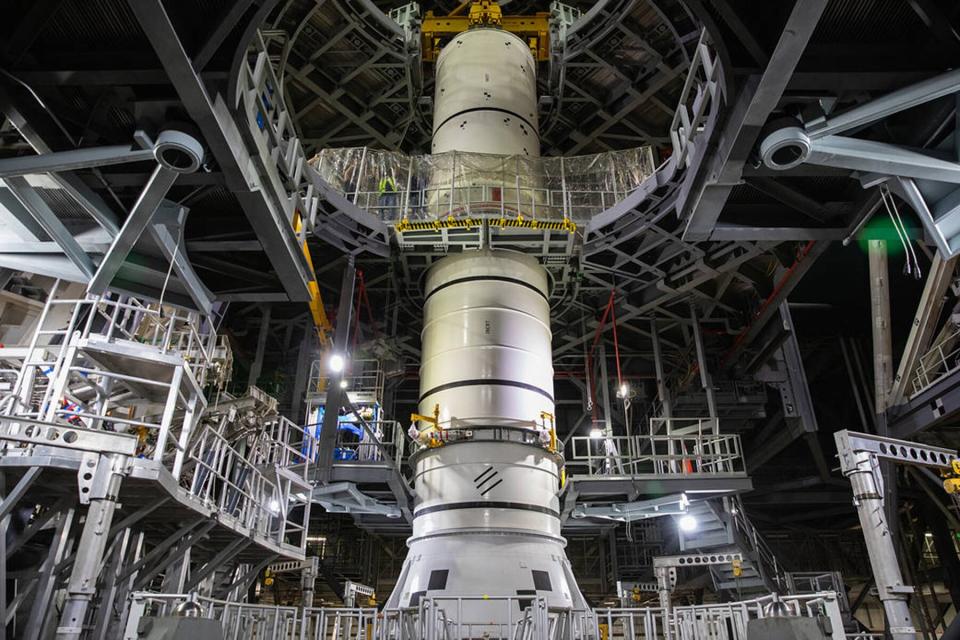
(486,95)
(487,515)
(485,110)
(486,338)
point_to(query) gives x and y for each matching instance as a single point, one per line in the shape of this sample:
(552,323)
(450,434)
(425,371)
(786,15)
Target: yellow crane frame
(535,29)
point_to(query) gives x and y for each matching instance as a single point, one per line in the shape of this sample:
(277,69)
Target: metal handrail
(769,564)
(235,483)
(691,621)
(660,454)
(364,450)
(463,185)
(446,618)
(363,376)
(940,361)
(239,619)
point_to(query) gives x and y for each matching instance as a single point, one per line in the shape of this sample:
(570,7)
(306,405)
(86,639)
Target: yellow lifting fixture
(547,416)
(951,483)
(433,420)
(485,13)
(436,439)
(535,29)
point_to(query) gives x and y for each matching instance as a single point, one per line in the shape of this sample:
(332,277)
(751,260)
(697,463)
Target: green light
(881,228)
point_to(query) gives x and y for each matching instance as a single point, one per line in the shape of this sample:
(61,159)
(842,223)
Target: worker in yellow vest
(388,198)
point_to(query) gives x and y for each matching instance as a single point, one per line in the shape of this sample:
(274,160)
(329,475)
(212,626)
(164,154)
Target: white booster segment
(487,514)
(486,95)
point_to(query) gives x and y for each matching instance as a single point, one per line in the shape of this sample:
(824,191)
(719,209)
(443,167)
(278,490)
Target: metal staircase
(723,527)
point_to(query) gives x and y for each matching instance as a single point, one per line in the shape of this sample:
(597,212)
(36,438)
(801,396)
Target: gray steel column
(662,391)
(605,393)
(175,576)
(108,592)
(867,486)
(883,367)
(333,401)
(880,323)
(257,365)
(4,527)
(82,584)
(665,578)
(308,578)
(705,380)
(612,463)
(42,607)
(306,355)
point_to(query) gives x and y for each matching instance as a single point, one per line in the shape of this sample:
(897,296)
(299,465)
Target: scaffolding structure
(441,618)
(153,475)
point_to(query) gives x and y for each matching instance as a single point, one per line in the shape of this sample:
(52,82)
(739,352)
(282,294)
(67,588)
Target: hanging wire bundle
(912,266)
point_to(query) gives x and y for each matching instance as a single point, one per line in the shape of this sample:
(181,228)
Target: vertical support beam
(882,362)
(880,323)
(705,379)
(257,365)
(108,592)
(796,374)
(93,541)
(868,498)
(666,579)
(305,356)
(605,393)
(42,605)
(666,403)
(854,387)
(662,390)
(175,576)
(308,579)
(4,527)
(614,566)
(126,585)
(334,400)
(612,463)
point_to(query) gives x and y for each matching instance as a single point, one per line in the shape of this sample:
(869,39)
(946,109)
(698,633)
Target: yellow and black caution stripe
(566,224)
(436,225)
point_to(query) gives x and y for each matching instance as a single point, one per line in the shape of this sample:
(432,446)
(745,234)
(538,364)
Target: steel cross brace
(936,199)
(629,511)
(818,142)
(73,159)
(860,455)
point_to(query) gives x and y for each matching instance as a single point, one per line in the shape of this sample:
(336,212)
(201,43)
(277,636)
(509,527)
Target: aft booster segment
(487,473)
